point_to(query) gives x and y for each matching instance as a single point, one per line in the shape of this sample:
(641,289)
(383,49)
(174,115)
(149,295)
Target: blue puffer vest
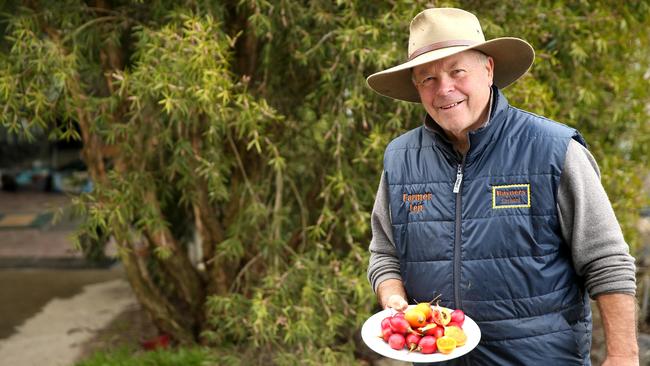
(494,249)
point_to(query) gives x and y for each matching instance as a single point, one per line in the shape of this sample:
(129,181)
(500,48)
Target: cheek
(426,98)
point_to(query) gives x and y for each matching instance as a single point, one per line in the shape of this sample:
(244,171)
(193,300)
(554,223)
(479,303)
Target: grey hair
(482,57)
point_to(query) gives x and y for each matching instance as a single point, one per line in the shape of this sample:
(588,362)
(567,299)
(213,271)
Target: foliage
(161,357)
(235,148)
(591,72)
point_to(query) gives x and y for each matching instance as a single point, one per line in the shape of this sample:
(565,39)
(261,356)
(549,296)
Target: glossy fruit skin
(458,316)
(386,333)
(399,325)
(385,323)
(412,341)
(425,308)
(427,345)
(415,318)
(445,344)
(441,333)
(396,341)
(428,329)
(438,332)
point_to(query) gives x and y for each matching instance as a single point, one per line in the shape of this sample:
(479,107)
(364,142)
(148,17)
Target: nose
(444,86)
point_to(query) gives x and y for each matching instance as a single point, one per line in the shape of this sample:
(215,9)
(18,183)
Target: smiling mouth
(450,106)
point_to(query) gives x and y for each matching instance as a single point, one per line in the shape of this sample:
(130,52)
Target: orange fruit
(415,318)
(425,308)
(446,344)
(457,334)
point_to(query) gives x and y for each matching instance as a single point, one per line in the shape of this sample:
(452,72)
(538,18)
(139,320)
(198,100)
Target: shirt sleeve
(589,226)
(384,263)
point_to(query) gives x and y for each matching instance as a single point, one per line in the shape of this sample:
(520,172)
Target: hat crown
(442,32)
(443,25)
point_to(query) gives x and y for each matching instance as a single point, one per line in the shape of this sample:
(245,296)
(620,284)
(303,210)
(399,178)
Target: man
(498,210)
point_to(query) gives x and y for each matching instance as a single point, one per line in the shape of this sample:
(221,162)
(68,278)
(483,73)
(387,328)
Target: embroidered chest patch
(511,196)
(416,201)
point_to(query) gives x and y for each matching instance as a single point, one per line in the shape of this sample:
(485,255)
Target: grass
(168,357)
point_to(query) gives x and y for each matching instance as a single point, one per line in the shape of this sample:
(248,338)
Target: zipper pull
(459,178)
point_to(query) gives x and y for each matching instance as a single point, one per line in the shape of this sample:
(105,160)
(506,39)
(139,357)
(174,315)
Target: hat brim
(512,59)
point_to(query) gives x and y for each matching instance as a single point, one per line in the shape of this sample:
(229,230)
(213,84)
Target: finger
(402,305)
(397,302)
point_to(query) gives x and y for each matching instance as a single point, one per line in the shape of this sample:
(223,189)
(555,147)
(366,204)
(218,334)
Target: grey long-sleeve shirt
(588,224)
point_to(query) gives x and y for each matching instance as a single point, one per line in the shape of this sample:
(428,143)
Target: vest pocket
(546,339)
(557,348)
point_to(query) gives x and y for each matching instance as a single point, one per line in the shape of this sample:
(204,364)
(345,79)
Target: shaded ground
(23,292)
(54,305)
(56,335)
(126,330)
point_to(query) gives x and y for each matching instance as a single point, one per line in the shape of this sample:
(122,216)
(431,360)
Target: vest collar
(478,139)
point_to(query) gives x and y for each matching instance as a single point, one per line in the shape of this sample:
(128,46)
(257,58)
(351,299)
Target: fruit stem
(436,299)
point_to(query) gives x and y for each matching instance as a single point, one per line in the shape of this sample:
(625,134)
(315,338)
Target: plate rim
(405,355)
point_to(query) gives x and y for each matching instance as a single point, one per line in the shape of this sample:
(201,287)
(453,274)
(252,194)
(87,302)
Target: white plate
(371,332)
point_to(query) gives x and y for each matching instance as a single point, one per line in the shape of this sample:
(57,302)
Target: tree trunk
(162,312)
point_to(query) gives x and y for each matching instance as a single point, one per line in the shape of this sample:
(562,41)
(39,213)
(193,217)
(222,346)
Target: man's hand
(618,314)
(391,294)
(621,361)
(396,302)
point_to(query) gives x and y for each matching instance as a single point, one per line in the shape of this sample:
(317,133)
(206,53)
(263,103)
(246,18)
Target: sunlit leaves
(255,116)
(589,74)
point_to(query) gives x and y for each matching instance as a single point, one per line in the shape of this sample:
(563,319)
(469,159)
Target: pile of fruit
(425,328)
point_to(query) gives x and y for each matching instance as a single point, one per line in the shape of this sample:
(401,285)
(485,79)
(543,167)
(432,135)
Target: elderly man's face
(455,91)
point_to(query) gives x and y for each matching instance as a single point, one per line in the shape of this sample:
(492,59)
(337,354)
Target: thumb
(397,302)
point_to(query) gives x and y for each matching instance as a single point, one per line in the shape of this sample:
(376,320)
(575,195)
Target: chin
(453,125)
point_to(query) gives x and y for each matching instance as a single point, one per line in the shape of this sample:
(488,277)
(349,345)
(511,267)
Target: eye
(427,80)
(458,72)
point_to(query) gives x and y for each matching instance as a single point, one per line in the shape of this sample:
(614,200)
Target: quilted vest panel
(495,248)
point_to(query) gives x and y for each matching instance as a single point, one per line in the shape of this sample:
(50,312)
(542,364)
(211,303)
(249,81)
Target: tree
(235,149)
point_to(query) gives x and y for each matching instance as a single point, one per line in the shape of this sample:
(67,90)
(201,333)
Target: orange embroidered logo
(511,196)
(416,201)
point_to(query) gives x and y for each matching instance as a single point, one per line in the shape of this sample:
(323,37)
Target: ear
(489,66)
(415,83)
(414,75)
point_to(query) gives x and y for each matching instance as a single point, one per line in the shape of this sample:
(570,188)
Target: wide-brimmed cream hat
(441,32)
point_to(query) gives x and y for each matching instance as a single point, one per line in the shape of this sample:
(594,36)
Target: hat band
(439,45)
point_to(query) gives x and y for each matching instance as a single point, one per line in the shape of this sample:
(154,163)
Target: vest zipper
(459,178)
(457,236)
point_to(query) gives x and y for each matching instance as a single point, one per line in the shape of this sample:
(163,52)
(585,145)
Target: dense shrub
(235,148)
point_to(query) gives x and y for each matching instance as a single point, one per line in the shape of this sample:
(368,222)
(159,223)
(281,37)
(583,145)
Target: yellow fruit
(425,308)
(457,334)
(446,344)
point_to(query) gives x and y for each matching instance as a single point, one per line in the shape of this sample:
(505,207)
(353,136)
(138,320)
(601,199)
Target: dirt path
(57,334)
